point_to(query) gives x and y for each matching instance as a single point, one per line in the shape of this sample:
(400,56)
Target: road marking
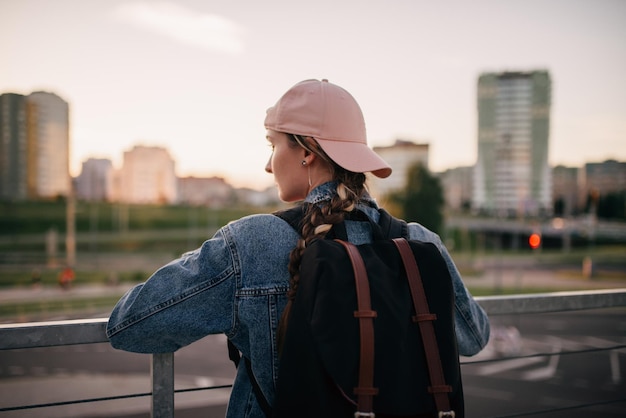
(204,381)
(505,365)
(543,373)
(548,371)
(616,375)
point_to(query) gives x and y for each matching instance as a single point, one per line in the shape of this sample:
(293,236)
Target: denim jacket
(236,284)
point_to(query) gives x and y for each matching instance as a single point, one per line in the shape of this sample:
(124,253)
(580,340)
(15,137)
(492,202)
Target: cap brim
(355,157)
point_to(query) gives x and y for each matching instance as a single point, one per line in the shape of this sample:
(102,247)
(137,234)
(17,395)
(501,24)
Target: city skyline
(195,77)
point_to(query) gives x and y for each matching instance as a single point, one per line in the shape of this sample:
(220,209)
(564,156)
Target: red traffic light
(534,241)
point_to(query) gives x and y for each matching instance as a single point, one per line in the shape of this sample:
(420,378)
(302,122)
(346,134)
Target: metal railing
(90,331)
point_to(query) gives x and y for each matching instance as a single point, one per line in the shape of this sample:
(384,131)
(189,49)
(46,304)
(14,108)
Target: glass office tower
(512,174)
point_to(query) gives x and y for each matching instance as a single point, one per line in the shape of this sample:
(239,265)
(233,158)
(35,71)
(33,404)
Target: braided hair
(319,218)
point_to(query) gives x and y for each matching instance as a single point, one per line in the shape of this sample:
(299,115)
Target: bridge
(585,226)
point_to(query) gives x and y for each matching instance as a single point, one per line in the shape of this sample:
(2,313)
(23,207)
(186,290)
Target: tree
(612,206)
(422,199)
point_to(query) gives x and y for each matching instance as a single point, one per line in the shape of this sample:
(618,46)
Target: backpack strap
(365,391)
(293,216)
(438,387)
(392,227)
(233,354)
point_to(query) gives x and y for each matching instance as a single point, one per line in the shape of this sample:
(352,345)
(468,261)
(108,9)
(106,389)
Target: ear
(309,157)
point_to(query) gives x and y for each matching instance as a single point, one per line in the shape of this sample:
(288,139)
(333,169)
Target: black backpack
(361,341)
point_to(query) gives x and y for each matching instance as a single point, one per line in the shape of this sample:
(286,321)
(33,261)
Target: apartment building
(95,181)
(400,156)
(147,175)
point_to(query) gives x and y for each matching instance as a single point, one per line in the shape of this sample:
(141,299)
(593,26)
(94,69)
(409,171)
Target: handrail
(90,331)
(53,333)
(552,302)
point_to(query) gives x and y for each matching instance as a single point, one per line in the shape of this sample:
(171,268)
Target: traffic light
(534,241)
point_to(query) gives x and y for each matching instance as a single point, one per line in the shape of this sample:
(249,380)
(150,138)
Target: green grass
(39,310)
(49,277)
(36,309)
(38,217)
(169,229)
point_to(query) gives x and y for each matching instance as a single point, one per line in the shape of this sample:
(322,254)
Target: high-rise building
(13,147)
(148,176)
(34,146)
(512,175)
(48,145)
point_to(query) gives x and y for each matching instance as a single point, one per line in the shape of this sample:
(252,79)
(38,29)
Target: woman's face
(285,164)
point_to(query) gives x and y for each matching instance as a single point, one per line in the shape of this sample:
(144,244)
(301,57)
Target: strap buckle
(446,414)
(359,414)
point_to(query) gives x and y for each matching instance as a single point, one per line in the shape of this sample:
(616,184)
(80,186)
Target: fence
(61,333)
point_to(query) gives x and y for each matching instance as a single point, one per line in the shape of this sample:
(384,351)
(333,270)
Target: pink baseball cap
(330,115)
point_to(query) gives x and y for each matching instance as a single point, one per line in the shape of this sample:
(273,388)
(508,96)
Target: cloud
(208,31)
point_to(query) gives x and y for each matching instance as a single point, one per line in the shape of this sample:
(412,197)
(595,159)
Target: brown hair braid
(319,219)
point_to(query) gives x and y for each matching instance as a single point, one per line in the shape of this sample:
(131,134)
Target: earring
(303,162)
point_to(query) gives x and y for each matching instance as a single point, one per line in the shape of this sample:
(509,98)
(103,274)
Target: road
(57,374)
(492,389)
(542,383)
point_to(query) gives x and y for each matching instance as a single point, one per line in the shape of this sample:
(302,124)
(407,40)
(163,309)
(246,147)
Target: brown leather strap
(365,391)
(424,318)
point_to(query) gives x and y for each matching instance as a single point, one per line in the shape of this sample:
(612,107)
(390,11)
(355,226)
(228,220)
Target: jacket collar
(327,190)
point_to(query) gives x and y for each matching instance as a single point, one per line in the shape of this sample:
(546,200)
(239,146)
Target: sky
(196,76)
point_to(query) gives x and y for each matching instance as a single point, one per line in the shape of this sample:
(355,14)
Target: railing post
(162,372)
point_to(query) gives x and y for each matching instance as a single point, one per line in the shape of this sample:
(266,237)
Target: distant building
(205,191)
(147,176)
(95,182)
(400,156)
(566,193)
(13,147)
(603,178)
(48,145)
(512,174)
(34,146)
(252,197)
(457,187)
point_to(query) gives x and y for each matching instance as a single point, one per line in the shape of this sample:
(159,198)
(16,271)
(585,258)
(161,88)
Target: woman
(238,282)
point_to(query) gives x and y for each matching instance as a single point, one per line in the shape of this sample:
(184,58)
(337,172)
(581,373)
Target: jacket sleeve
(471,321)
(183,301)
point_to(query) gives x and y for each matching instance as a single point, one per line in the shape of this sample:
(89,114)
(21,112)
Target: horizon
(265,187)
(196,78)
